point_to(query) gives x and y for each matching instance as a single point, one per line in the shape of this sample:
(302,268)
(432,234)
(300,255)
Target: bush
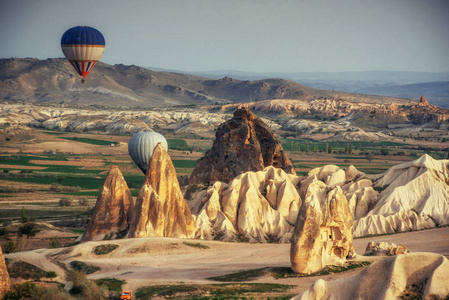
(3,231)
(65,201)
(83,201)
(55,243)
(85,288)
(10,247)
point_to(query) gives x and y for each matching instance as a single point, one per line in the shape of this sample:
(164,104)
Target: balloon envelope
(141,146)
(83,47)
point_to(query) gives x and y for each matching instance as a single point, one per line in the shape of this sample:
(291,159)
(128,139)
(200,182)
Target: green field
(89,141)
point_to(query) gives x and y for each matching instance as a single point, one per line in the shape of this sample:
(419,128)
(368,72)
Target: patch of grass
(184,163)
(214,291)
(83,267)
(242,276)
(196,245)
(177,144)
(105,249)
(112,284)
(78,231)
(21,269)
(284,272)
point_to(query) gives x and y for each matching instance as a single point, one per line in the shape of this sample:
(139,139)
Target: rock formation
(423,102)
(5,283)
(383,248)
(387,279)
(113,208)
(323,229)
(415,196)
(242,144)
(160,208)
(255,206)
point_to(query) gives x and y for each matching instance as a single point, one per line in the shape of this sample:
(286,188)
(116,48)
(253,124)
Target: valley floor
(155,261)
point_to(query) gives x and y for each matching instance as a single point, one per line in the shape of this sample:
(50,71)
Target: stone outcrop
(5,283)
(113,208)
(255,206)
(323,229)
(160,209)
(383,248)
(242,144)
(423,102)
(388,278)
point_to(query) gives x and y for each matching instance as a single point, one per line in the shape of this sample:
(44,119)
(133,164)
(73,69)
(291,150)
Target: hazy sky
(245,35)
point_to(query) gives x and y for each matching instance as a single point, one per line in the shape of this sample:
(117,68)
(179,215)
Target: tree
(370,157)
(327,148)
(28,229)
(384,151)
(25,218)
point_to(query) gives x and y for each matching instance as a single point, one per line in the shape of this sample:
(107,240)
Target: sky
(243,35)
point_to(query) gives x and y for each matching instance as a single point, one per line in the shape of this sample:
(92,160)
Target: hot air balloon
(141,146)
(83,47)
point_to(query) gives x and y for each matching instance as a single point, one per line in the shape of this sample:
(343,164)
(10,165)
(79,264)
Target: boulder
(112,211)
(5,283)
(382,248)
(242,144)
(323,230)
(389,278)
(160,209)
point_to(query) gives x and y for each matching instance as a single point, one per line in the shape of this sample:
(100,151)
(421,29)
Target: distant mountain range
(434,86)
(54,81)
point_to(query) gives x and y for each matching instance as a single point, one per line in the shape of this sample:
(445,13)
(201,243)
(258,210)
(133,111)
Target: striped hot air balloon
(141,146)
(83,47)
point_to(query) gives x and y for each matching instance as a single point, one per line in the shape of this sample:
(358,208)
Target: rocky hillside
(54,81)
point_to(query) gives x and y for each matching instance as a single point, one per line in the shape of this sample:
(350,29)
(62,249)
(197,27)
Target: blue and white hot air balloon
(141,146)
(83,47)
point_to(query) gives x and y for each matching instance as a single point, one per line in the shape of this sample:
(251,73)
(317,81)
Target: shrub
(83,201)
(3,231)
(196,245)
(65,201)
(55,243)
(10,247)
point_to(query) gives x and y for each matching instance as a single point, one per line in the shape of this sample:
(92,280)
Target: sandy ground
(149,261)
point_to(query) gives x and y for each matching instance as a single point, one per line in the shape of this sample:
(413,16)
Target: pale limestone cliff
(113,208)
(160,209)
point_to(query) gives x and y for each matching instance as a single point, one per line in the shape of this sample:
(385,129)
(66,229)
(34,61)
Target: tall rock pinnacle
(242,144)
(112,210)
(160,206)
